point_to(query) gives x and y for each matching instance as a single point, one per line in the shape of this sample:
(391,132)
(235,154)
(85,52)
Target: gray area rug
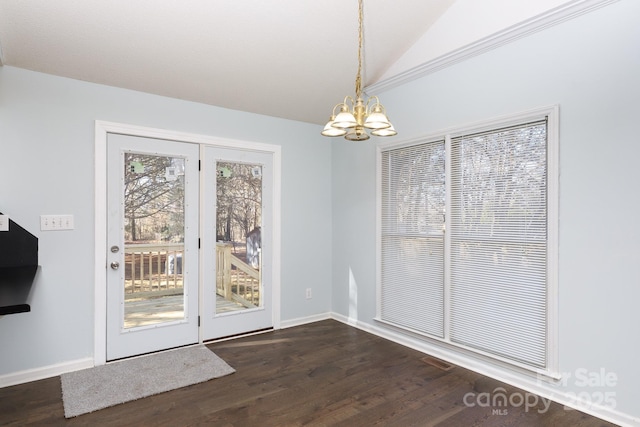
(102,386)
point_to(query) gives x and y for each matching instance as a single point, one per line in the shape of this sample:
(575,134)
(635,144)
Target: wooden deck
(225,306)
(149,311)
(166,308)
(153,283)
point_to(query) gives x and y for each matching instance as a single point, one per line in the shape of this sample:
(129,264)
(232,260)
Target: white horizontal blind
(498,228)
(412,247)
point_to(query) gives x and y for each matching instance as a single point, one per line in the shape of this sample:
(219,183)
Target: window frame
(551,114)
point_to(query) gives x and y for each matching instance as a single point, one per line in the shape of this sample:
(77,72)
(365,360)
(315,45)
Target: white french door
(191,238)
(237,244)
(152,239)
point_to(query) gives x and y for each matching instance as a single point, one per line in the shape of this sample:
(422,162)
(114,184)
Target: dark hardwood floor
(321,374)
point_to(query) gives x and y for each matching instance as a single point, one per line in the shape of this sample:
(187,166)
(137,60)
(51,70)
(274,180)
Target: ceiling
(293,59)
(286,58)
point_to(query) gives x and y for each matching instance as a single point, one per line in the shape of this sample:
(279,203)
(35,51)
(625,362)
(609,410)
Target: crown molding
(525,28)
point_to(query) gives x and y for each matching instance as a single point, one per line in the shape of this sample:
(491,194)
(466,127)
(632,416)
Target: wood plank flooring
(321,374)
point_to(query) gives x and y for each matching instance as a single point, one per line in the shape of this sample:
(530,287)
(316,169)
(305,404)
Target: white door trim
(102,128)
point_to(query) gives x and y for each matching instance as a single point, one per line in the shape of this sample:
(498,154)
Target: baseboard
(75,365)
(304,320)
(534,387)
(44,372)
(565,399)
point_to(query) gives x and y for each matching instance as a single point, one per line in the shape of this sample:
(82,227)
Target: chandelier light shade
(330,130)
(354,118)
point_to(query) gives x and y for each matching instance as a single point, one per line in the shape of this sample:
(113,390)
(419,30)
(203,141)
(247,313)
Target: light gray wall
(590,66)
(47,167)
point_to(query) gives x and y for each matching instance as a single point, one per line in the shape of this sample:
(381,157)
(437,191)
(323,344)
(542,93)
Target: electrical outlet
(308,293)
(4,222)
(56,222)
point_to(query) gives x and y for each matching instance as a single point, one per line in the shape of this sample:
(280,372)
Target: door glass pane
(153,239)
(239,237)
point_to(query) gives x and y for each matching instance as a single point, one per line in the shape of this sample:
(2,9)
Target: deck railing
(153,267)
(157,268)
(235,279)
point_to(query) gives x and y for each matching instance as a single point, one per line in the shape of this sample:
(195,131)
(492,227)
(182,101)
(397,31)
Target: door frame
(102,128)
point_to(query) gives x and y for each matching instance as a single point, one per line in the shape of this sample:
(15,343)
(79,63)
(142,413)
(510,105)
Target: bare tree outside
(239,201)
(154,233)
(239,236)
(153,198)
(501,177)
(154,228)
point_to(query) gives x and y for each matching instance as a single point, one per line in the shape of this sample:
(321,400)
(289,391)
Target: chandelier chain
(356,118)
(359,76)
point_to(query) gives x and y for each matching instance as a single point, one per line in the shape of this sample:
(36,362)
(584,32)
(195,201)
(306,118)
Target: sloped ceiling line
(537,23)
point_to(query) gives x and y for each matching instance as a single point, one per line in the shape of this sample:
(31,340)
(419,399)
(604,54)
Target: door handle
(115,265)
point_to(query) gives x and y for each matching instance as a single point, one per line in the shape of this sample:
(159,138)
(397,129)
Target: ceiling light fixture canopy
(355,117)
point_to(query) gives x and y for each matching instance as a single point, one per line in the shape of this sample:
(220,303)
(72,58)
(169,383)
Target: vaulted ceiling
(293,59)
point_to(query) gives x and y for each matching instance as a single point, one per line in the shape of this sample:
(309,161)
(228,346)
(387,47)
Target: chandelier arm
(333,113)
(370,99)
(348,98)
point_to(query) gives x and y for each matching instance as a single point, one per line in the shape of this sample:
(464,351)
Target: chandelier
(356,117)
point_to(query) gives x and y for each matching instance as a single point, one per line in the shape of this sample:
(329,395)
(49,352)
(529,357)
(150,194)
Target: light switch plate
(56,222)
(4,222)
